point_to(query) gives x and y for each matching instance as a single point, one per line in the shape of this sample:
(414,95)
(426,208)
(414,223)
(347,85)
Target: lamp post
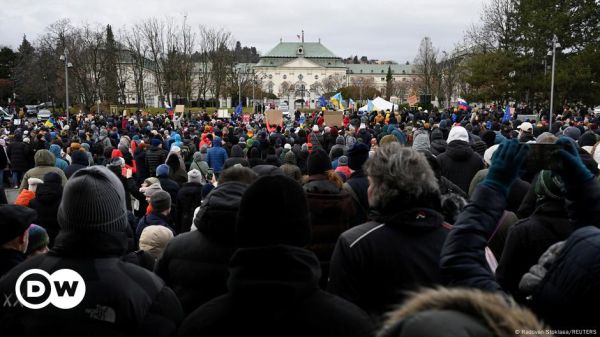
(555,45)
(65,58)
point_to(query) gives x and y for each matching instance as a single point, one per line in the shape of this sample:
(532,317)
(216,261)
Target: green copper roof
(290,49)
(380,69)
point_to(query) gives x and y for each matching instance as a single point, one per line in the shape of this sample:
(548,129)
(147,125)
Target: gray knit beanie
(160,201)
(93,200)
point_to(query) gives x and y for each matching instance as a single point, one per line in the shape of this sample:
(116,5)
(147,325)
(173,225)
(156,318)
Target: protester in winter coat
(340,143)
(120,298)
(46,202)
(460,163)
(140,158)
(26,195)
(17,154)
(290,168)
(374,264)
(44,163)
(357,183)
(199,164)
(38,241)
(161,208)
(216,156)
(176,165)
(57,152)
(14,235)
(155,156)
(237,157)
(437,145)
(531,237)
(273,282)
(194,264)
(459,313)
(329,205)
(3,161)
(79,160)
(561,289)
(342,168)
(166,183)
(189,198)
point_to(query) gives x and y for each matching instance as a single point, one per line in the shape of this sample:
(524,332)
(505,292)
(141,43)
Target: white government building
(299,72)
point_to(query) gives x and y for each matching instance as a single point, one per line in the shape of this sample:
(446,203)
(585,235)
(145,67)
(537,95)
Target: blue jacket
(216,156)
(60,163)
(151,219)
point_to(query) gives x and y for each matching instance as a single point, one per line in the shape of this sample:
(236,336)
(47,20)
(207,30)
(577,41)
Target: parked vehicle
(44,114)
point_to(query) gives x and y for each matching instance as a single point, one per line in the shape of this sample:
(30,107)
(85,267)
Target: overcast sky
(384,29)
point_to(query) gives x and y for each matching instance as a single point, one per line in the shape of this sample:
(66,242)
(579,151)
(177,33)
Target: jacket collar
(90,244)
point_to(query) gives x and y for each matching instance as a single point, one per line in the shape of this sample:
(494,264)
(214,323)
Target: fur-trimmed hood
(459,312)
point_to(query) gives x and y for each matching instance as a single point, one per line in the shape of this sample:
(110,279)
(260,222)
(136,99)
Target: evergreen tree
(389,83)
(111,85)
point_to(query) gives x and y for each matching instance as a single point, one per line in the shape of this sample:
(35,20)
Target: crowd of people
(395,223)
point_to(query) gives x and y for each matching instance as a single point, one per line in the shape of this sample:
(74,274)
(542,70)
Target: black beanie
(93,200)
(14,221)
(287,219)
(489,137)
(318,162)
(587,139)
(357,156)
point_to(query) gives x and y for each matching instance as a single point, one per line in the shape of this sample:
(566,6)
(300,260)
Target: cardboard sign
(16,121)
(223,113)
(179,108)
(333,118)
(274,117)
(527,117)
(412,100)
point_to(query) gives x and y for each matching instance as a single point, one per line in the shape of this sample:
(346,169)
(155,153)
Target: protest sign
(333,118)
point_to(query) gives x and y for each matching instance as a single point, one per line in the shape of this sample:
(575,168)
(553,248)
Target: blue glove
(569,166)
(506,164)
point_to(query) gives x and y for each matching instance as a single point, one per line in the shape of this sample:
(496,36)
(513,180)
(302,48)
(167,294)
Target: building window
(361,71)
(284,77)
(300,77)
(403,79)
(382,71)
(271,76)
(316,77)
(383,79)
(403,72)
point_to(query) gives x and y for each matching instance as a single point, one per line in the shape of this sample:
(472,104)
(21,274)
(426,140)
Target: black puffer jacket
(460,163)
(189,198)
(121,299)
(79,160)
(273,291)
(194,264)
(236,157)
(18,154)
(46,202)
(331,210)
(154,157)
(374,264)
(438,144)
(528,239)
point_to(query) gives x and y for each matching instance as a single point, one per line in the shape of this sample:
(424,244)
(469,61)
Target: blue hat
(162,170)
(155,142)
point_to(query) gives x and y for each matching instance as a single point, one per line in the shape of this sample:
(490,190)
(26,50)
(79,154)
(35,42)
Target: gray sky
(384,29)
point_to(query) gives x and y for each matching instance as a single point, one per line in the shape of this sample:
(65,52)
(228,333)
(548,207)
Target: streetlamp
(65,58)
(555,45)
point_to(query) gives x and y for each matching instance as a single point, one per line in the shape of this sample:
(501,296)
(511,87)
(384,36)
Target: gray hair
(399,171)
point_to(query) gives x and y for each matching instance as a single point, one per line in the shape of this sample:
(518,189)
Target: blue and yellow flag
(336,100)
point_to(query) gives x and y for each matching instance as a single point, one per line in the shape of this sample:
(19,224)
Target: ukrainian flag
(336,100)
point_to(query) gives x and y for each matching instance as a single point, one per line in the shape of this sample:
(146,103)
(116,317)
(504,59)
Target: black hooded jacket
(375,263)
(273,291)
(46,202)
(121,299)
(194,264)
(460,163)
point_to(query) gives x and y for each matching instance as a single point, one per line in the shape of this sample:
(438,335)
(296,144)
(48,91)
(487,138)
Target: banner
(412,100)
(179,108)
(333,118)
(274,117)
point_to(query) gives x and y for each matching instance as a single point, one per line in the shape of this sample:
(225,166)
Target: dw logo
(36,288)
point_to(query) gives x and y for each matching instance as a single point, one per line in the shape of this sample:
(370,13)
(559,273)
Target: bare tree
(426,65)
(497,26)
(333,82)
(153,32)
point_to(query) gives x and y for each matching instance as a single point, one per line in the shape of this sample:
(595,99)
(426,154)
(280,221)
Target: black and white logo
(36,289)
